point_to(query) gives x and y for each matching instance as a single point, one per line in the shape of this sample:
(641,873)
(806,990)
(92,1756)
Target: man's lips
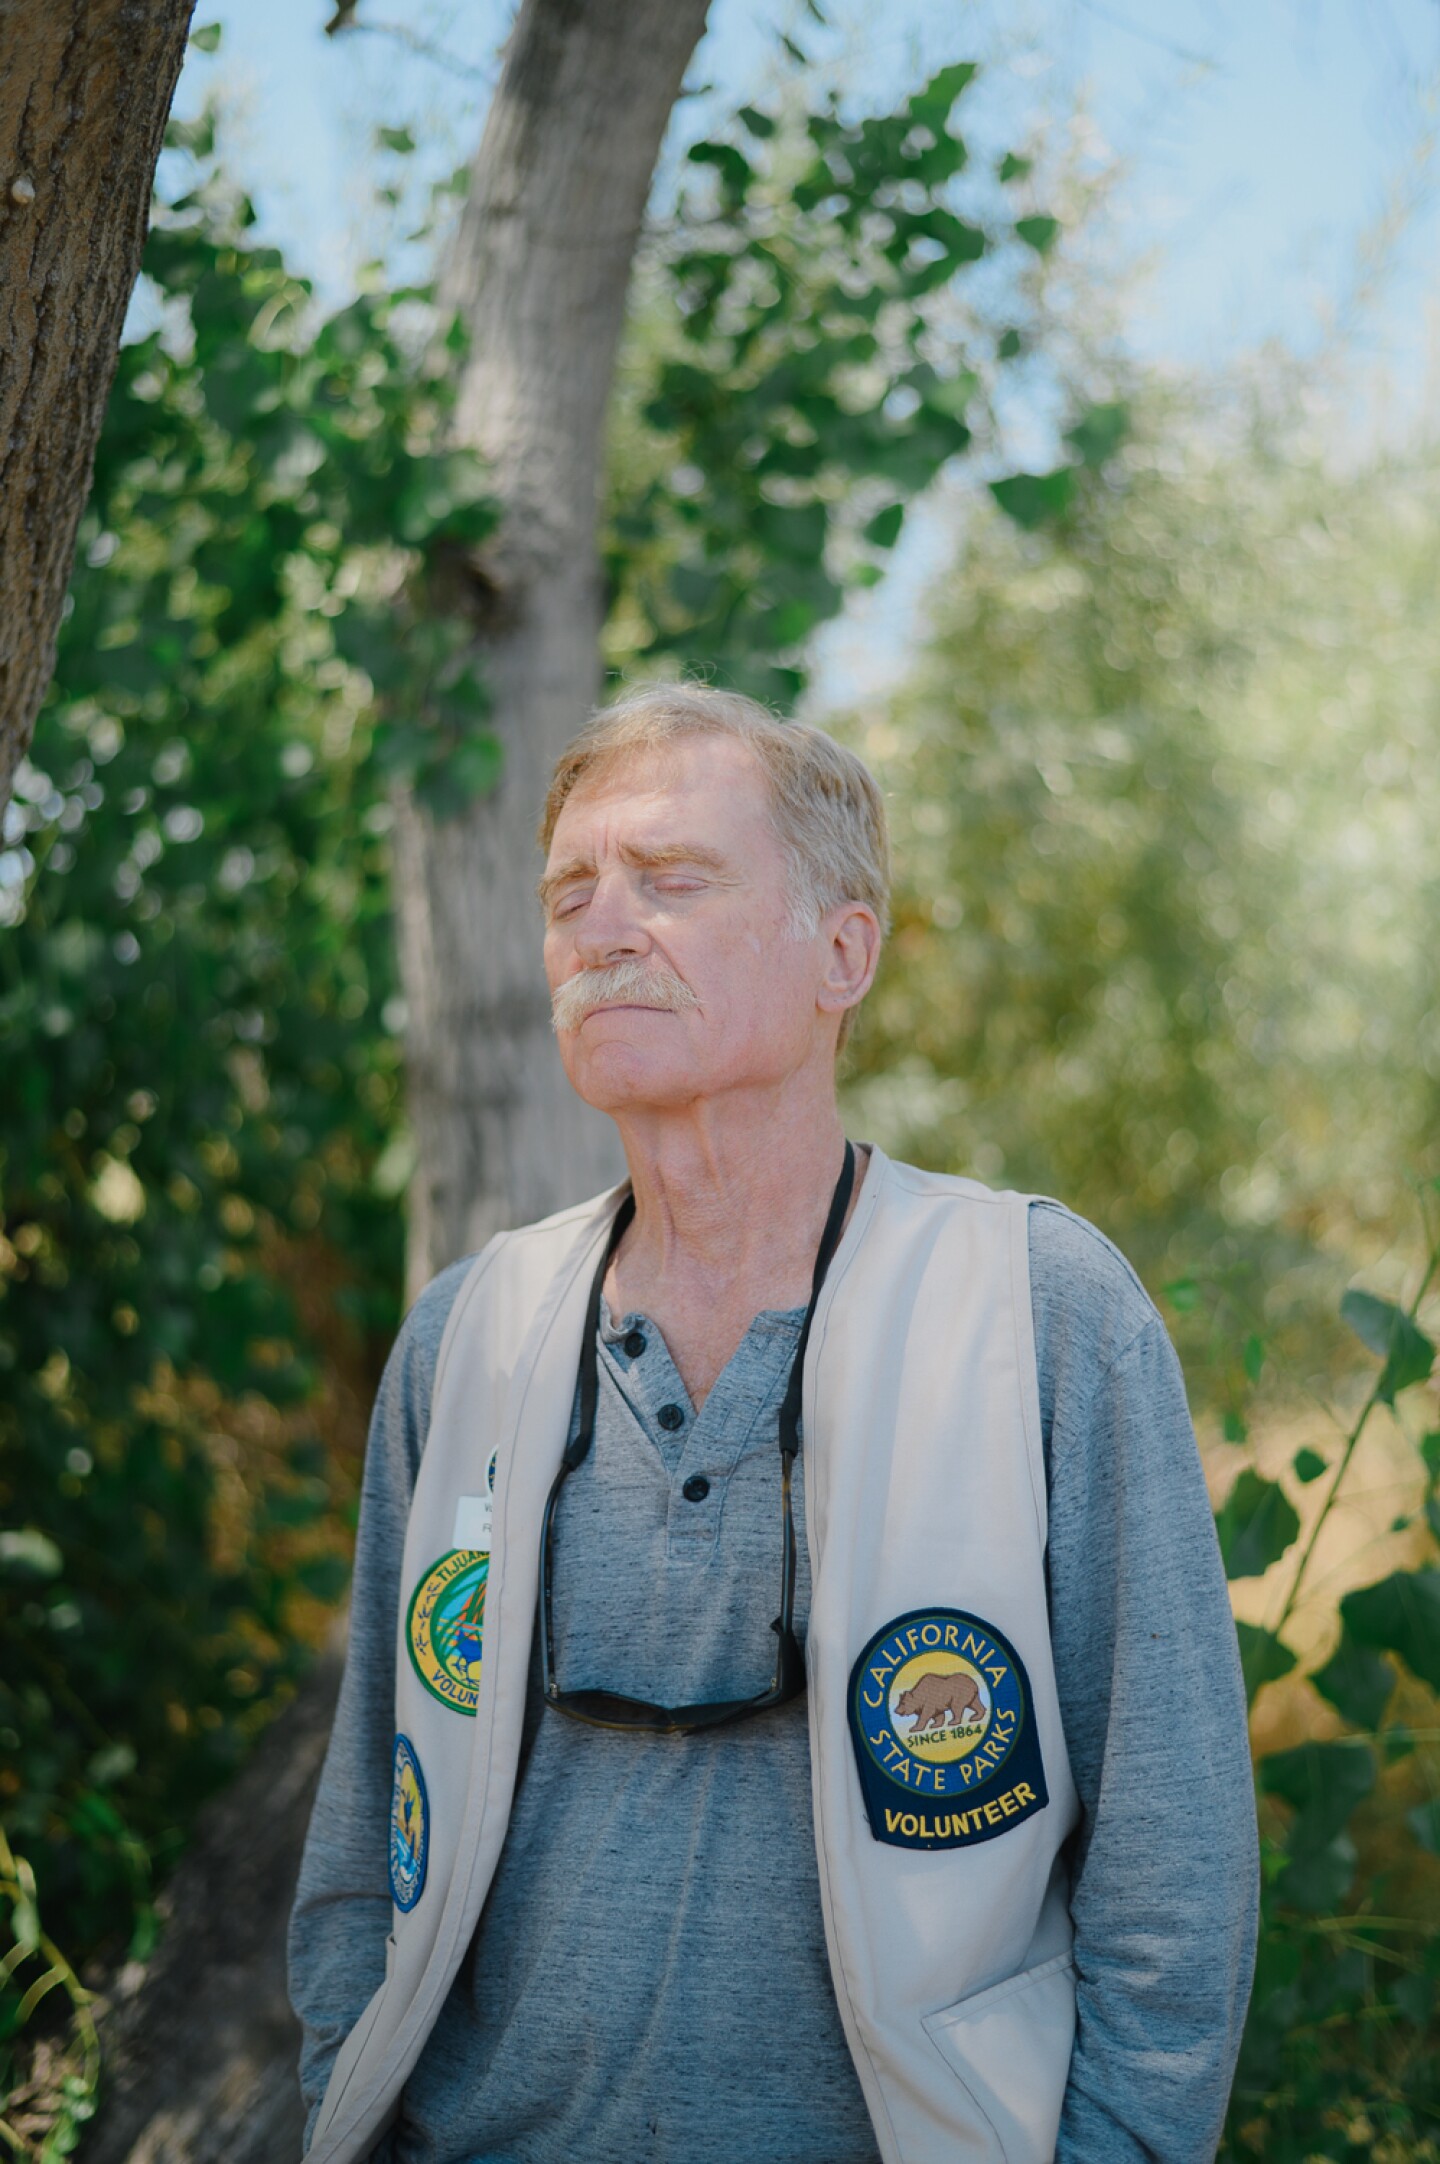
(625,1006)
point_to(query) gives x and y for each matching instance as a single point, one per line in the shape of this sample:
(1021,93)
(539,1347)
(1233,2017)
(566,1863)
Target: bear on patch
(934,1693)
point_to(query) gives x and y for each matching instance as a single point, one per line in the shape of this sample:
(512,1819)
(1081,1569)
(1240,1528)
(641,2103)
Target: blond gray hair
(826,810)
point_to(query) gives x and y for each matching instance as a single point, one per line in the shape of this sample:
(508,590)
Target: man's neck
(731,1198)
(732,1182)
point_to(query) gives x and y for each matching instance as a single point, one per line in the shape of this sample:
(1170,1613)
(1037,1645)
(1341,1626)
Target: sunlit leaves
(817,380)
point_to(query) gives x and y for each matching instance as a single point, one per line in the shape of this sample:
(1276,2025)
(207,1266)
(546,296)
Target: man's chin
(615,1076)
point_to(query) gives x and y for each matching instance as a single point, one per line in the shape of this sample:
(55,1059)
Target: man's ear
(854,952)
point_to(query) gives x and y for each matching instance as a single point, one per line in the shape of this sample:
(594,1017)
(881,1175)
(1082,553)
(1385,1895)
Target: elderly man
(792,1710)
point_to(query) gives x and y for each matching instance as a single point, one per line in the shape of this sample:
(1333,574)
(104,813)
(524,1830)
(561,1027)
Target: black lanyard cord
(577,1451)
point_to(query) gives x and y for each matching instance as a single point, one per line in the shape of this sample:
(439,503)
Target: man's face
(669,862)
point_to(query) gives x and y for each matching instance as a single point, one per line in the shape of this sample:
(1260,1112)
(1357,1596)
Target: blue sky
(1262,143)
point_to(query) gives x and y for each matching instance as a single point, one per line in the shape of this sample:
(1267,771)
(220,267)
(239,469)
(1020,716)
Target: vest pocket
(1010,2048)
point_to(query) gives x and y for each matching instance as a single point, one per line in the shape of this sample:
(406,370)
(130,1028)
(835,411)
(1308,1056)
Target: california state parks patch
(944,1732)
(444,1627)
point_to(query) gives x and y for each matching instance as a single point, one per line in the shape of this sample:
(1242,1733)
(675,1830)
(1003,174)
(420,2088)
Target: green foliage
(1339,2056)
(1400,1615)
(1256,1526)
(1407,1352)
(822,376)
(199,1073)
(1162,779)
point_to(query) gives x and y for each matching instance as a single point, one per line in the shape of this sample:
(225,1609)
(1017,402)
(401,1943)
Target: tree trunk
(201,2060)
(540,270)
(85,88)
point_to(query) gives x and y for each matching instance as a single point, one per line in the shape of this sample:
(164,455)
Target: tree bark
(85,88)
(201,2059)
(539,271)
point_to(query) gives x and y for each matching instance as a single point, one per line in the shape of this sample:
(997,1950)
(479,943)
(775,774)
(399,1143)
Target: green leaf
(1099,433)
(792,530)
(1319,1878)
(1323,1783)
(1400,1615)
(1414,1995)
(1357,1681)
(197,136)
(1183,1293)
(1263,1658)
(932,104)
(1031,498)
(324,1576)
(445,493)
(735,170)
(396,139)
(1008,345)
(1256,1524)
(1038,233)
(1308,1465)
(695,586)
(1424,1823)
(1012,167)
(1254,1357)
(759,124)
(1430,1452)
(884,529)
(1232,1426)
(1387,1330)
(207,38)
(451,785)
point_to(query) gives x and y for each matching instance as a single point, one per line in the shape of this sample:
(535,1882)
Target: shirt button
(696,1488)
(670,1416)
(633,1343)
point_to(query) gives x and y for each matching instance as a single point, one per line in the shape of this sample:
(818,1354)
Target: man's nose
(611,928)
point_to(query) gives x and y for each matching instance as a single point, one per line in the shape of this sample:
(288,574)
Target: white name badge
(472,1522)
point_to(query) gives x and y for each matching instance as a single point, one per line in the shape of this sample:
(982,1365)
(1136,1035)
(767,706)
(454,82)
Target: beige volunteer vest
(942,1792)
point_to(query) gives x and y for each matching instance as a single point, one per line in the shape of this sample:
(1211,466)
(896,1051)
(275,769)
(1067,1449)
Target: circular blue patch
(409,1827)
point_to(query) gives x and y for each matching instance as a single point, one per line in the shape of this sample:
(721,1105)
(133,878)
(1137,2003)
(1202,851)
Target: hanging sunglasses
(610,1709)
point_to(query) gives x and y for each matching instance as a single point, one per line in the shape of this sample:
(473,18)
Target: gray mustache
(648,984)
